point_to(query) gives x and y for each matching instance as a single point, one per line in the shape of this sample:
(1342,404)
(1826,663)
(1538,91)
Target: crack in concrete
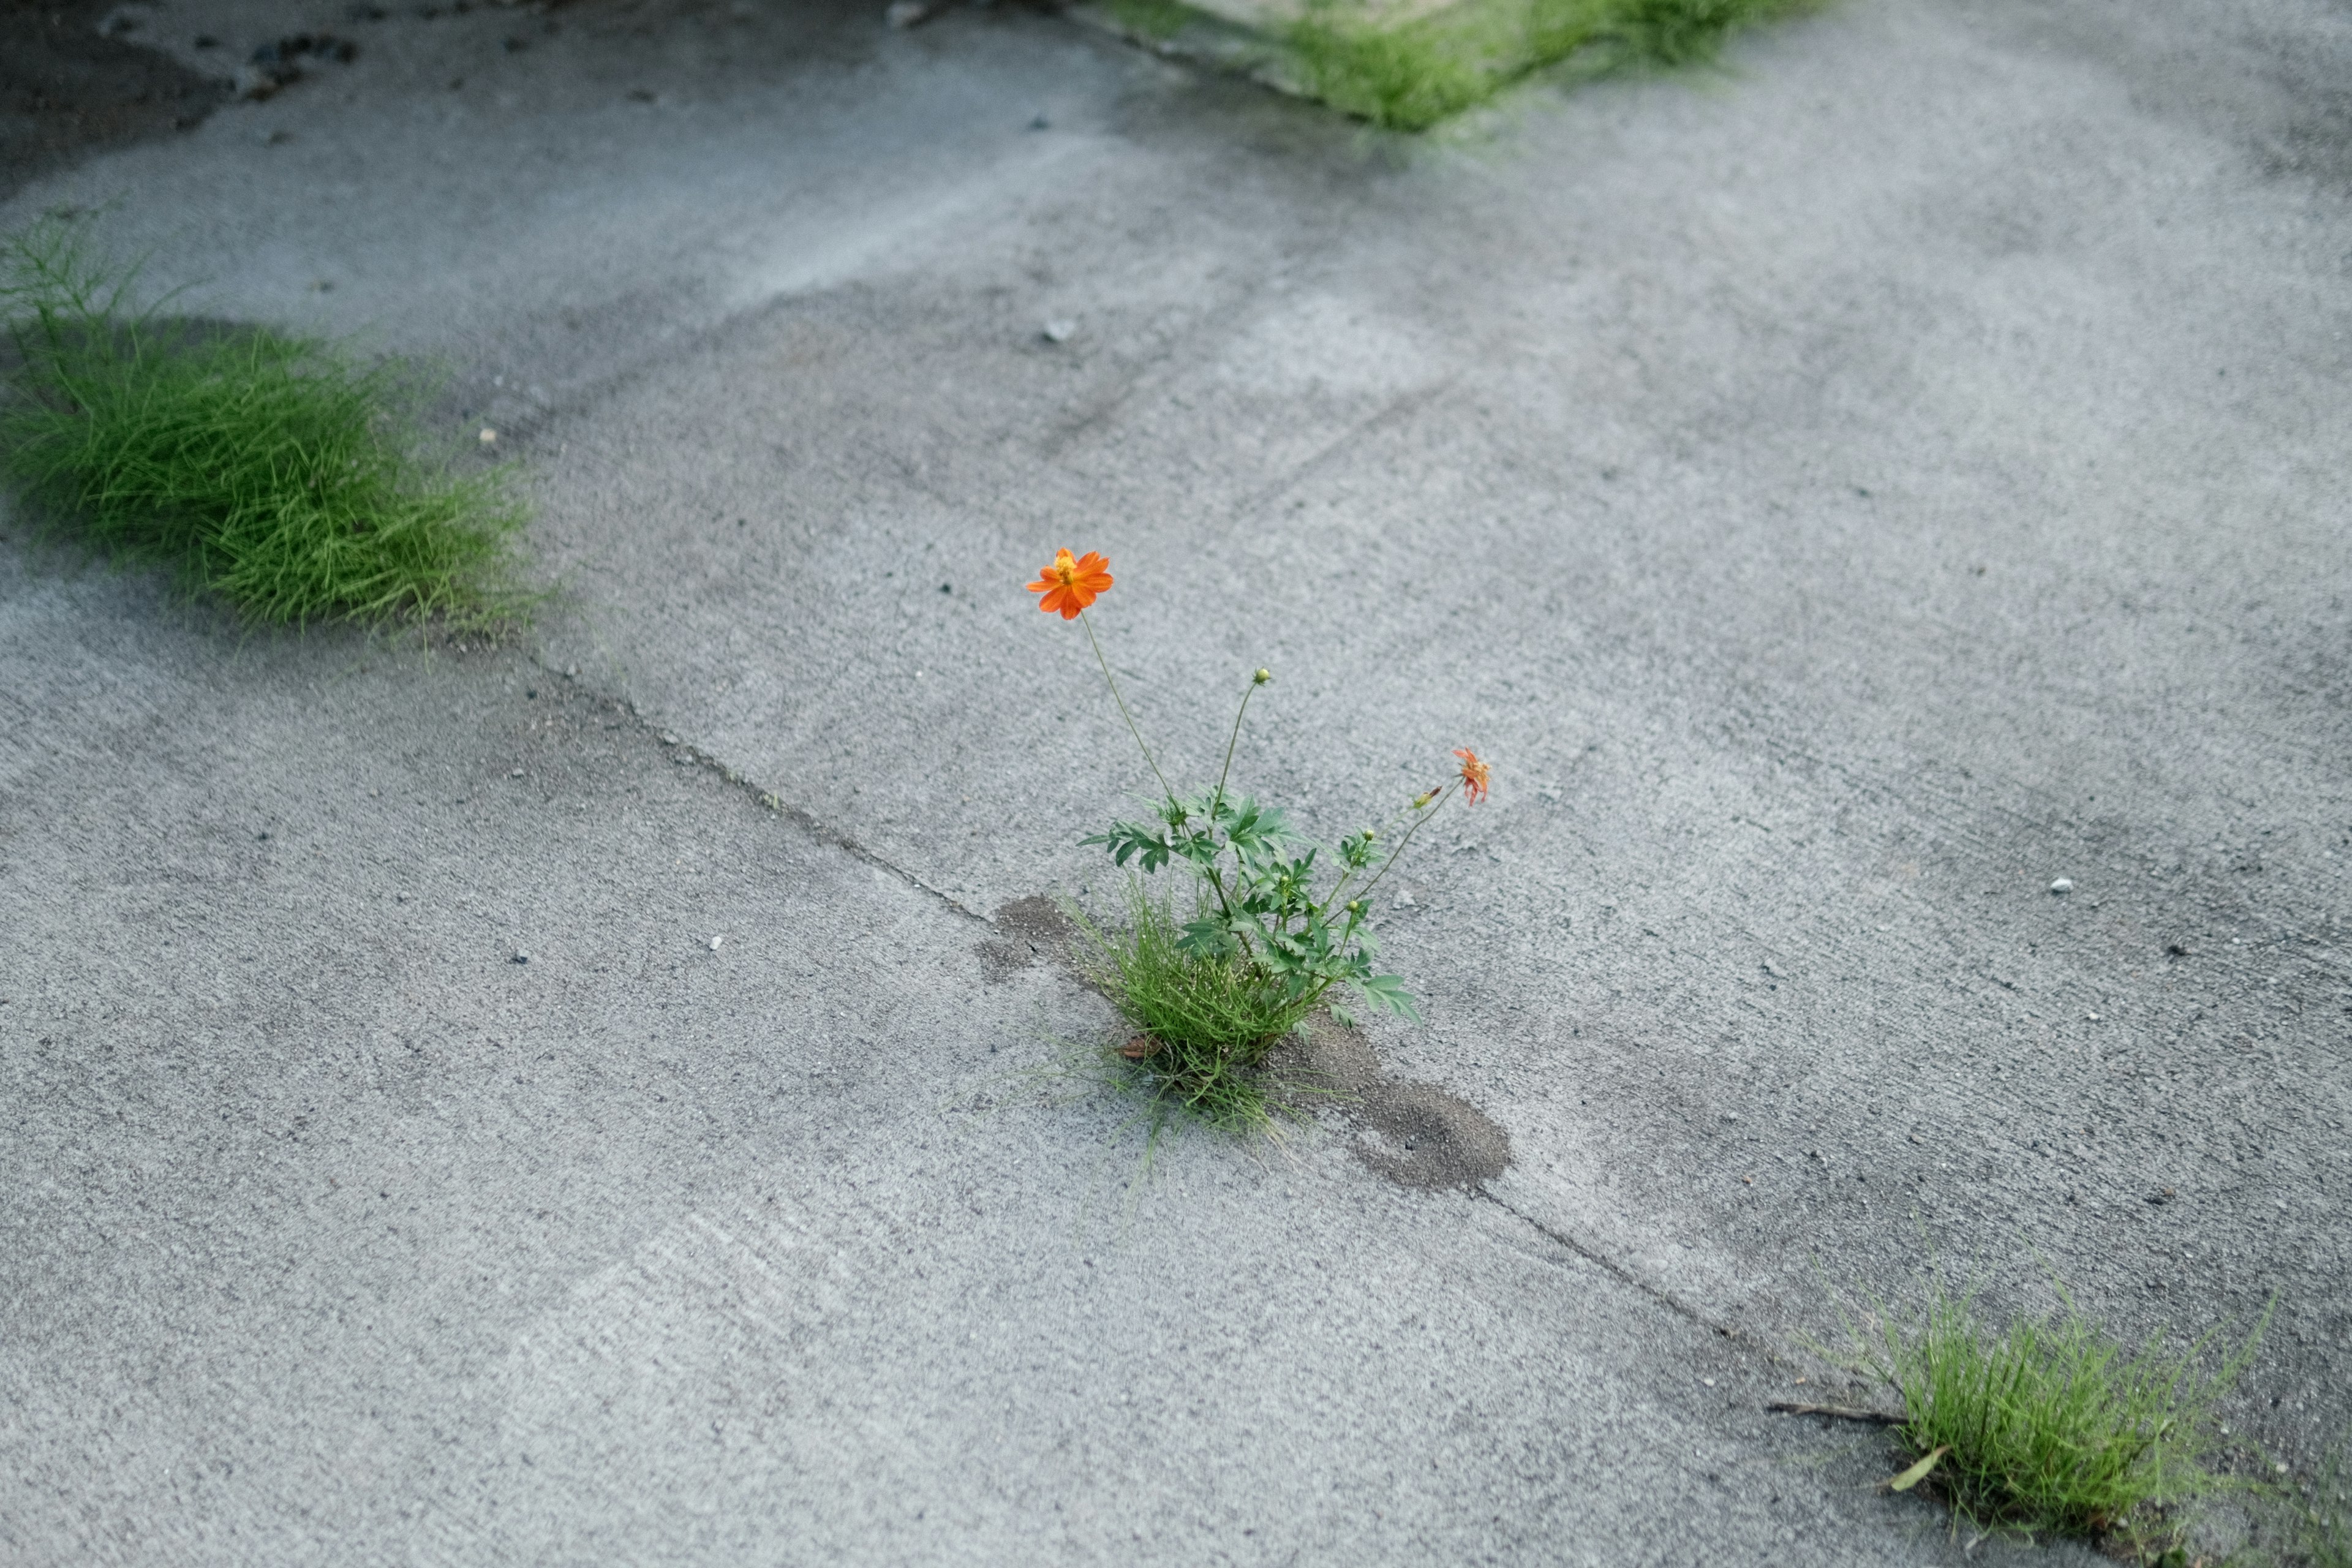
(775,804)
(1617,1271)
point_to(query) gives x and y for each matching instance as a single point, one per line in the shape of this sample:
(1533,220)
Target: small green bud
(1355,906)
(1261,678)
(1421,800)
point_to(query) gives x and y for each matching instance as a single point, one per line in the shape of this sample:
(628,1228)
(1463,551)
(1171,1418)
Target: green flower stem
(1112,680)
(1167,793)
(1226,772)
(1434,807)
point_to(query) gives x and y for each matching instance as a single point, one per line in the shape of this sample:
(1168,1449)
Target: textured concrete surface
(1842,497)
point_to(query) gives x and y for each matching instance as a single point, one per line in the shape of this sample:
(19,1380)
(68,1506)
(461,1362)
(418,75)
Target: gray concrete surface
(1841,496)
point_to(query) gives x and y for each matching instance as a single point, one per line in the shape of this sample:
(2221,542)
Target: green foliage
(1260,907)
(1268,937)
(269,469)
(1405,79)
(1685,32)
(1410,75)
(2051,1426)
(1210,1019)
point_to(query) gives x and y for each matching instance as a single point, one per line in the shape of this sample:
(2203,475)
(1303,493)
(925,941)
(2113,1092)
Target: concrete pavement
(1841,496)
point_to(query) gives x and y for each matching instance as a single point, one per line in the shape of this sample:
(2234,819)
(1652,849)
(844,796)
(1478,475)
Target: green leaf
(1127,839)
(1919,1472)
(1208,938)
(1388,991)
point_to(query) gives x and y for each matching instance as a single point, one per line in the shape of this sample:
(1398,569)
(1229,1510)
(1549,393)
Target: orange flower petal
(1071,582)
(1474,776)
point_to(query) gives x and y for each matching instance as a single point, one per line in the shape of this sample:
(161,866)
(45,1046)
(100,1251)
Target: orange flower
(1474,776)
(1070,585)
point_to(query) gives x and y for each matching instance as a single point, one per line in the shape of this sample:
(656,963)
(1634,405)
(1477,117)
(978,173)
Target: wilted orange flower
(1474,776)
(1070,584)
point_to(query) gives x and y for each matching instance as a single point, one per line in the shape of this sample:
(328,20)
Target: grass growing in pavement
(2049,1425)
(1407,78)
(272,471)
(1203,1025)
(1410,77)
(2327,1518)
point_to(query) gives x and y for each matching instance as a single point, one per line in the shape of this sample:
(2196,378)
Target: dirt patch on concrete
(1029,932)
(73,79)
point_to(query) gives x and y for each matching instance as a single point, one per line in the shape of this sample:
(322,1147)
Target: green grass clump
(2049,1426)
(1410,77)
(1405,79)
(1685,32)
(2327,1518)
(272,471)
(1210,1021)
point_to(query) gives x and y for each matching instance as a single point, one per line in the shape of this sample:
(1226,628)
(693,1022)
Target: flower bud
(1421,800)
(1261,678)
(1355,906)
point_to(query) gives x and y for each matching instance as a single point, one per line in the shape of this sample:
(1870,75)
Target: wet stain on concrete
(1414,1135)
(75,79)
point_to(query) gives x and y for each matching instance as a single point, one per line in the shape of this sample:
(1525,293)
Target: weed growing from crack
(1271,936)
(274,471)
(2049,1425)
(1203,1022)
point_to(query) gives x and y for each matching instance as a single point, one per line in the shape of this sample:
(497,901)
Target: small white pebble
(2063,885)
(488,435)
(715,941)
(516,774)
(1061,331)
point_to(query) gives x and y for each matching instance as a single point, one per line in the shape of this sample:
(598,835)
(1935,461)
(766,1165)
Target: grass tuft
(2327,1517)
(2051,1428)
(1405,79)
(272,471)
(1411,76)
(1210,1022)
(1686,32)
